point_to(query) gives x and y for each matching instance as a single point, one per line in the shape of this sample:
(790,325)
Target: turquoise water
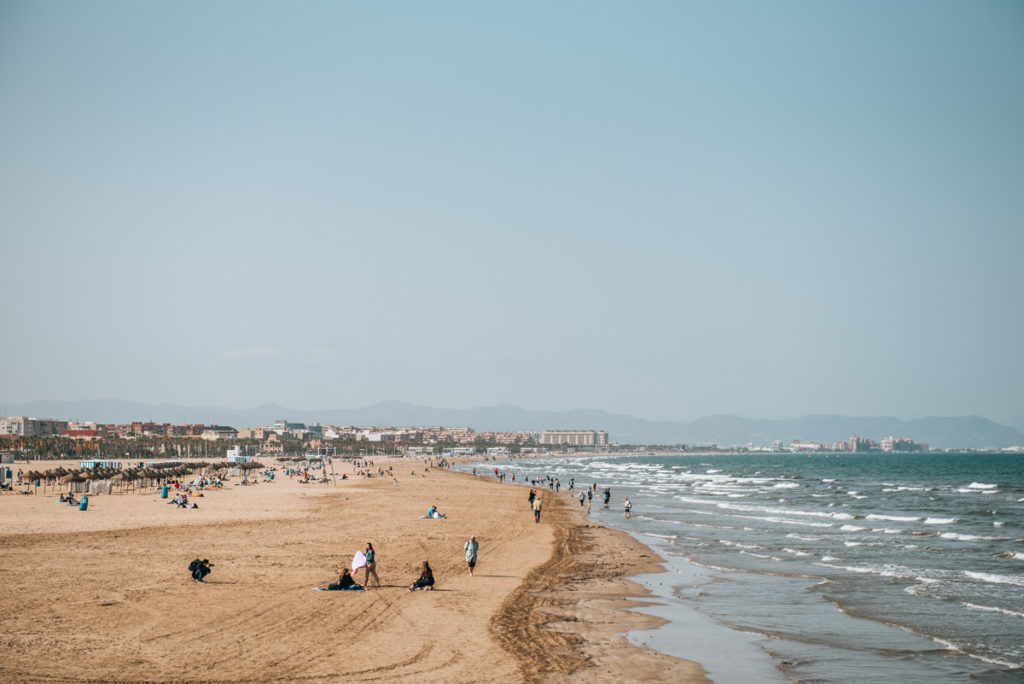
(843,568)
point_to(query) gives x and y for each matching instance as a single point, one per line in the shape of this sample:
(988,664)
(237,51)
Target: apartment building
(575,437)
(23,426)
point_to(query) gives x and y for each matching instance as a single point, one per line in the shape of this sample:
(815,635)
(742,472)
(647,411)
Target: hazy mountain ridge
(958,432)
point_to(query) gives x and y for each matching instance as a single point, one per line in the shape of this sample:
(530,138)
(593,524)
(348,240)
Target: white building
(575,437)
(23,426)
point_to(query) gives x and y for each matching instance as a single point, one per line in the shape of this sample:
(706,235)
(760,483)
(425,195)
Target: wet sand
(105,595)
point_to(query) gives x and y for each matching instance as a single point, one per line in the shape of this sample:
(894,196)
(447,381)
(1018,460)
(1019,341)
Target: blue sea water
(825,567)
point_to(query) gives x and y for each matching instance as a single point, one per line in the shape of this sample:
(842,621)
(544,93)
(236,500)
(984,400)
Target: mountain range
(958,432)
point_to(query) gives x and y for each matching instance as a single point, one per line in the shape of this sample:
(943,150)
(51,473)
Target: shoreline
(104,595)
(576,607)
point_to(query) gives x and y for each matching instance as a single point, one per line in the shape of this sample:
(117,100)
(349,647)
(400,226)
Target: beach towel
(358,561)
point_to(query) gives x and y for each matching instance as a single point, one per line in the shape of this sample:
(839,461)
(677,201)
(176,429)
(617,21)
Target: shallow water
(839,568)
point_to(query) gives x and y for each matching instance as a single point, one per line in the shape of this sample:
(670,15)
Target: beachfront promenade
(104,594)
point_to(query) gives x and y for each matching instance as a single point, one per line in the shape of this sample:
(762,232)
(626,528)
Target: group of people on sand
(346,582)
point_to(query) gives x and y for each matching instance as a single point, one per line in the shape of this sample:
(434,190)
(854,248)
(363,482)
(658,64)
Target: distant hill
(967,432)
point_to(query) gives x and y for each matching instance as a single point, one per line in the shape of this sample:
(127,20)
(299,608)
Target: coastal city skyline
(403,423)
(669,210)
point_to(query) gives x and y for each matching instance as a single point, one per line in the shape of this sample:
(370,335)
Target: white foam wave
(852,528)
(940,521)
(894,518)
(995,579)
(794,552)
(981,485)
(896,571)
(829,559)
(963,537)
(786,485)
(992,609)
(853,543)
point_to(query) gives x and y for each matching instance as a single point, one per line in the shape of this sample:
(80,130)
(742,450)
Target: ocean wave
(894,518)
(894,571)
(992,609)
(852,528)
(940,521)
(889,530)
(995,579)
(786,485)
(829,559)
(964,537)
(784,521)
(787,511)
(794,552)
(853,543)
(981,485)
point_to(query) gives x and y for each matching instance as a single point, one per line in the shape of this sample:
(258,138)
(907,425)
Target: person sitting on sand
(345,583)
(426,579)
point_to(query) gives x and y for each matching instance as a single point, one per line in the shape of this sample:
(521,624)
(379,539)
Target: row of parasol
(132,477)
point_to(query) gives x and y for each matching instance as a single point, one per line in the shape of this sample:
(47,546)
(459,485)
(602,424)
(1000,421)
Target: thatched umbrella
(71,478)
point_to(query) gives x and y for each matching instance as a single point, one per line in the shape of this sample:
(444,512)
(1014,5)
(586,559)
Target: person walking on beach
(533,495)
(627,508)
(371,564)
(536,510)
(471,548)
(583,497)
(607,496)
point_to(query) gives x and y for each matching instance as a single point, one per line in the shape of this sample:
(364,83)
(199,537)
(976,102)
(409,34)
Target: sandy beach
(105,595)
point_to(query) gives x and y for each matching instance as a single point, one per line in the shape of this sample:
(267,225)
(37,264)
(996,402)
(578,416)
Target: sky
(666,209)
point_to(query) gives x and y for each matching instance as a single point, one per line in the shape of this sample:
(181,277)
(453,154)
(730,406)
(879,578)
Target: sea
(821,567)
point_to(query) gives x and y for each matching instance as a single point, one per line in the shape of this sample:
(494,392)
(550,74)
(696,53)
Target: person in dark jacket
(344,583)
(200,569)
(426,579)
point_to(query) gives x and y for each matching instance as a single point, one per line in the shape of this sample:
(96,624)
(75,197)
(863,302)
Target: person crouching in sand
(426,579)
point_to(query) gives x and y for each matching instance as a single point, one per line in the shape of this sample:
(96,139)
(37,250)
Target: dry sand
(104,595)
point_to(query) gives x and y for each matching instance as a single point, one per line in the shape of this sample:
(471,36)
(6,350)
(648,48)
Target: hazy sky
(669,209)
